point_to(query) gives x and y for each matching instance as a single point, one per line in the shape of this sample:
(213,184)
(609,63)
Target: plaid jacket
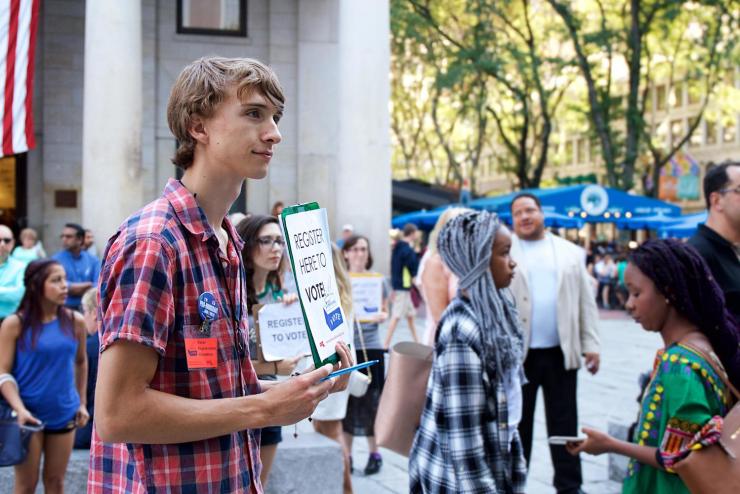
(155,268)
(462,442)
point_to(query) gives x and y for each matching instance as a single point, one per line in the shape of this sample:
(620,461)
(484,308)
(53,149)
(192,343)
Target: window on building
(676,98)
(660,97)
(694,92)
(660,133)
(582,150)
(695,140)
(711,130)
(729,129)
(569,152)
(677,131)
(212,17)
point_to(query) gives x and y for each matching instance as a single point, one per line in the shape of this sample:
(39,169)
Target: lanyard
(235,315)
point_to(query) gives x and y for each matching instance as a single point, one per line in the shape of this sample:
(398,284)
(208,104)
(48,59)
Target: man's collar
(192,216)
(712,235)
(545,235)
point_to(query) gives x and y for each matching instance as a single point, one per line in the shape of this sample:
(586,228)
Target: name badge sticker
(207,306)
(201,353)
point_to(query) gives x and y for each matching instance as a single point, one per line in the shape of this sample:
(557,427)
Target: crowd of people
(500,339)
(125,355)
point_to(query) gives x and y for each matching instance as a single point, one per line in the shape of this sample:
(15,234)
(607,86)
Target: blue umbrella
(685,228)
(650,222)
(598,204)
(580,204)
(423,219)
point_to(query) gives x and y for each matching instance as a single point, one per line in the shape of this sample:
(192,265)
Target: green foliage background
(484,87)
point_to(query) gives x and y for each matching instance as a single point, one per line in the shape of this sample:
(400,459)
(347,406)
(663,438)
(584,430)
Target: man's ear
(714,198)
(197,129)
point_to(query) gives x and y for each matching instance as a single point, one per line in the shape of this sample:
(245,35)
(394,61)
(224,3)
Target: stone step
(308,463)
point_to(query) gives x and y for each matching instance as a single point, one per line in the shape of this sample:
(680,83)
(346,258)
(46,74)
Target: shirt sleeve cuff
(134,337)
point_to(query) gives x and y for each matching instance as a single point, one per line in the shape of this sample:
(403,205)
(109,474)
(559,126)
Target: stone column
(363,184)
(111,140)
(343,116)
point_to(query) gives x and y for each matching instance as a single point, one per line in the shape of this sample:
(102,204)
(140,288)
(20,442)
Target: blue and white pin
(208,310)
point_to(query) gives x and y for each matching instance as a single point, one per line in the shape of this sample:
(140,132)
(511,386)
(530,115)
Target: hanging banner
(18,27)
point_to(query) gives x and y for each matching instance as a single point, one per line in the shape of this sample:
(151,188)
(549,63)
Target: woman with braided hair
(468,441)
(672,291)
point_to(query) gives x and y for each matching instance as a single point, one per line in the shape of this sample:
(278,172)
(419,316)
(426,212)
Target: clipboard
(287,211)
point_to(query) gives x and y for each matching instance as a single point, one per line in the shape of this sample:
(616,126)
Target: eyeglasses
(736,190)
(6,240)
(267,242)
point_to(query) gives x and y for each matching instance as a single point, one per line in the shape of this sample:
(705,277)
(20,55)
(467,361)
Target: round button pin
(207,306)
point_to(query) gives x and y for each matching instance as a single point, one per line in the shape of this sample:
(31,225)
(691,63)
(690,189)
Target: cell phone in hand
(563,440)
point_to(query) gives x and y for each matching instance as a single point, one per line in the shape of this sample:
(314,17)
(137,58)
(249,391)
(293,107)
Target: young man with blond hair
(178,403)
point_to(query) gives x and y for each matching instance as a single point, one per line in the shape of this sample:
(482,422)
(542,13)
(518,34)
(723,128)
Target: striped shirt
(156,266)
(462,444)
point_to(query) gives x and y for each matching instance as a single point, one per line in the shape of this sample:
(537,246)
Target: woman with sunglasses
(264,260)
(43,374)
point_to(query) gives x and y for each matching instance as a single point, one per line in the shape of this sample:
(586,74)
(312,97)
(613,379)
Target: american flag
(18,26)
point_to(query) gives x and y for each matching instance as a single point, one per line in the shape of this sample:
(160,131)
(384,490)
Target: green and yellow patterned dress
(683,395)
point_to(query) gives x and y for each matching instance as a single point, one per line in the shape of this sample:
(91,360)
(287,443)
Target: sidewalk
(610,396)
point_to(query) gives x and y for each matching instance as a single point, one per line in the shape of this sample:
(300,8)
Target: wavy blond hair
(343,282)
(203,84)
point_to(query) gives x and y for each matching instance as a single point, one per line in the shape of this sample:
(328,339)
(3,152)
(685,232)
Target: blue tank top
(46,375)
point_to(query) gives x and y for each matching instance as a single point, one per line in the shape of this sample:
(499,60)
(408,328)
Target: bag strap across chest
(716,366)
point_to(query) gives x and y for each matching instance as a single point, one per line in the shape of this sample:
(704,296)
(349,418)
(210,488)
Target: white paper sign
(282,331)
(310,247)
(367,295)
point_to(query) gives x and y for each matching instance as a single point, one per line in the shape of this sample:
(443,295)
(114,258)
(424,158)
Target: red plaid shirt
(156,266)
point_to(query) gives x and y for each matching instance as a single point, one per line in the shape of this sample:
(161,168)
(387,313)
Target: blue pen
(350,369)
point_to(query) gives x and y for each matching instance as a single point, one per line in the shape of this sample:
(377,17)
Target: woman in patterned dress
(671,291)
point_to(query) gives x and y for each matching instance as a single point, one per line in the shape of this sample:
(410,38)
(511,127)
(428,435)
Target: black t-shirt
(722,259)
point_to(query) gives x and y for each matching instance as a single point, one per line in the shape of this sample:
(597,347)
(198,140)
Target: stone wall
(332,58)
